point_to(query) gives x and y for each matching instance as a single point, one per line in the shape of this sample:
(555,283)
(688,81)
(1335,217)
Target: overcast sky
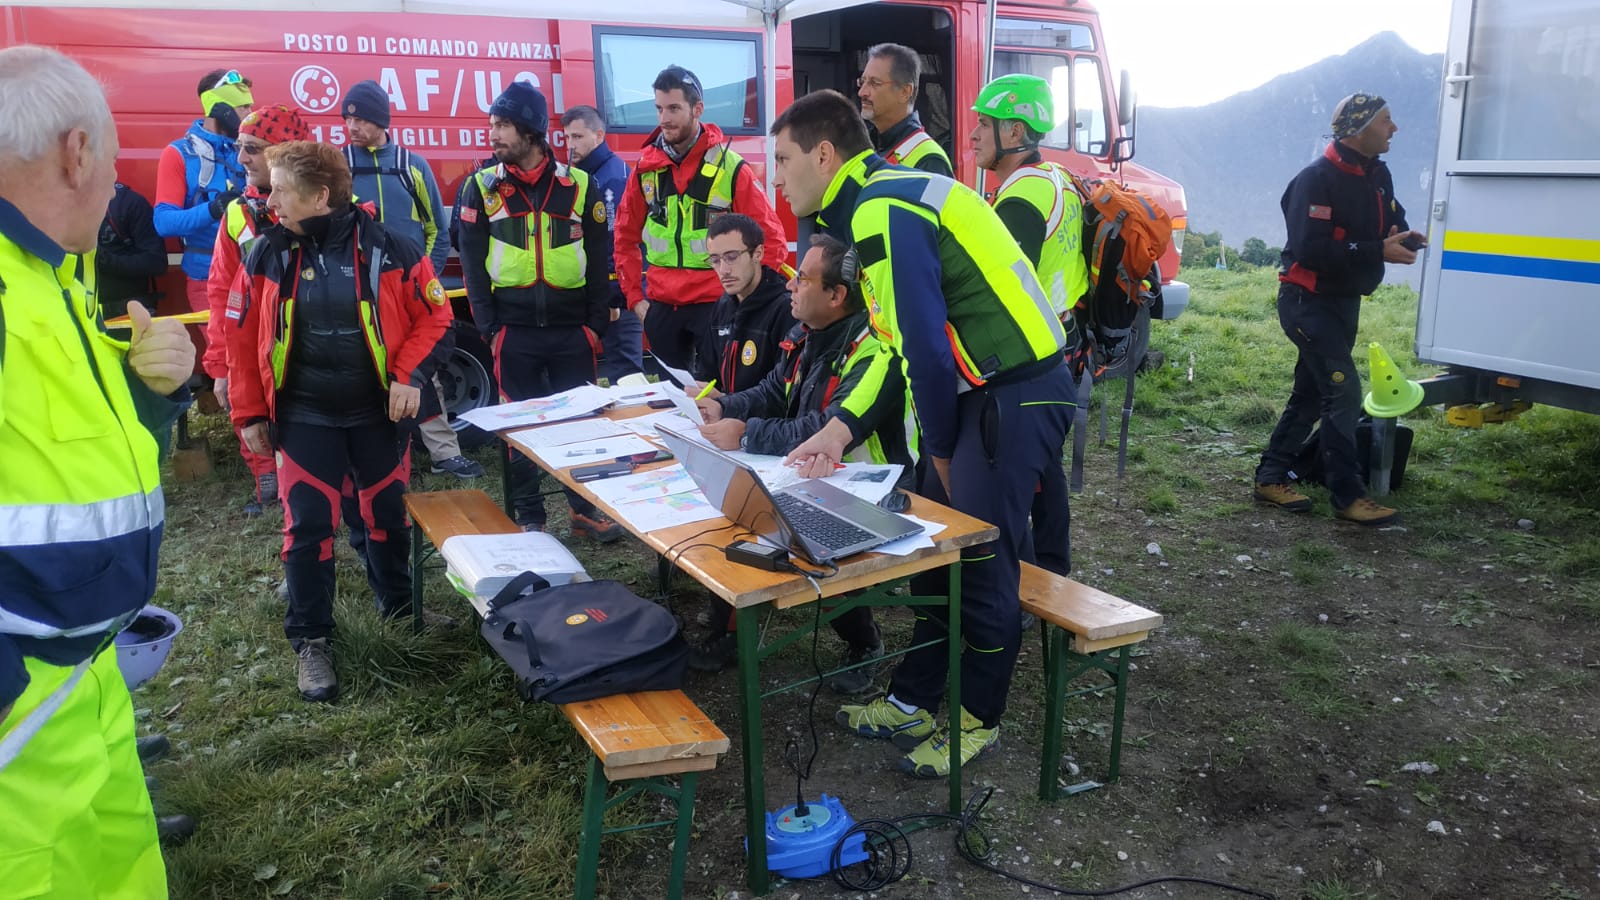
(1194,52)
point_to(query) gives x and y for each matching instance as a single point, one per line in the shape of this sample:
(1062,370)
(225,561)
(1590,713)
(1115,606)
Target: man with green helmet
(1040,207)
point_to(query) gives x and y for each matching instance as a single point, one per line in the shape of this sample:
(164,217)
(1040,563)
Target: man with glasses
(199,175)
(687,178)
(740,344)
(887,89)
(243,221)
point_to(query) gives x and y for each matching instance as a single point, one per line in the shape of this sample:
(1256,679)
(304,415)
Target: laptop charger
(758,556)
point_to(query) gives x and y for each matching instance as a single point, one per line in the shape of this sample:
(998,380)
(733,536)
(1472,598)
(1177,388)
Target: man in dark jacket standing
(129,255)
(587,149)
(1344,224)
(739,345)
(533,239)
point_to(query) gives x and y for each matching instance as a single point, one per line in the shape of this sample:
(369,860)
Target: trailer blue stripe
(1521,266)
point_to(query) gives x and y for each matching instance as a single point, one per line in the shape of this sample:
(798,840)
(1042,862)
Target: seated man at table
(740,343)
(832,368)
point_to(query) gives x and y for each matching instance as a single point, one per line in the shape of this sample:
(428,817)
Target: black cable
(791,749)
(885,841)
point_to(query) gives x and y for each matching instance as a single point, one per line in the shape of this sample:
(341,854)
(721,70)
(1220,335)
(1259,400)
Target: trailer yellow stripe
(1573,249)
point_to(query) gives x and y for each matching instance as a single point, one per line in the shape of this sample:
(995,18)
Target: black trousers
(1052,521)
(1326,386)
(1009,436)
(315,462)
(535,362)
(673,330)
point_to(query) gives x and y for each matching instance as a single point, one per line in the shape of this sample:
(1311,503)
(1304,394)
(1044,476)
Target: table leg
(748,620)
(416,577)
(953,703)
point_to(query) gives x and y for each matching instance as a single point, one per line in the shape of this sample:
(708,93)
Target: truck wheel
(468,380)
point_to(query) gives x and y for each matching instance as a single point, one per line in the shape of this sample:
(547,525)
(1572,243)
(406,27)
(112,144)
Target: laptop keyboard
(825,528)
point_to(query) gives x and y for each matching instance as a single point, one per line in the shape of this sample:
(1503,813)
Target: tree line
(1203,249)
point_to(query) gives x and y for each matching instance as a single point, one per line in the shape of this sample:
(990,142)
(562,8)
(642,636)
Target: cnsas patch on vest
(748,354)
(435,293)
(599,212)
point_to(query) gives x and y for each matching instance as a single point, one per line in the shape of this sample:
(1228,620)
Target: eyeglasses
(874,83)
(251,149)
(718,260)
(231,76)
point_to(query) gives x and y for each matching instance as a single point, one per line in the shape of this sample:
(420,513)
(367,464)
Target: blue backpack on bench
(584,640)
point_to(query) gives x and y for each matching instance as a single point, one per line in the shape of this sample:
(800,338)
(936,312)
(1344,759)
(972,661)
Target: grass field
(1304,662)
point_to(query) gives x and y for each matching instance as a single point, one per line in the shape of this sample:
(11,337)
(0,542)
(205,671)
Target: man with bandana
(199,175)
(1344,224)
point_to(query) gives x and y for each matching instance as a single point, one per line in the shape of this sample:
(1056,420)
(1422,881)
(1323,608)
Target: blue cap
(367,100)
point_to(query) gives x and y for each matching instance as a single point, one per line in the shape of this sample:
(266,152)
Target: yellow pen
(706,391)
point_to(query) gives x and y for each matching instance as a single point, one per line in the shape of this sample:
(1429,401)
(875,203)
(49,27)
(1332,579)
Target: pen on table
(586,452)
(706,391)
(635,396)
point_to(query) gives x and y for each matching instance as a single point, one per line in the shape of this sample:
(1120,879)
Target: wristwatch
(744,440)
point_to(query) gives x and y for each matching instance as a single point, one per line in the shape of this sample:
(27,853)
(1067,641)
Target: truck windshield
(1535,67)
(626,62)
(1061,53)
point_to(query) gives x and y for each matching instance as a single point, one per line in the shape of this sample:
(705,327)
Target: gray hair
(905,66)
(44,95)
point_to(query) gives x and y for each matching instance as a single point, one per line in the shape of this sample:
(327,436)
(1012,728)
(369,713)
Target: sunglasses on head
(232,76)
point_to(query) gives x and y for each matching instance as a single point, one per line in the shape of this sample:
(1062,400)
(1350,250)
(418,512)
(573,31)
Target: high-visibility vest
(81,507)
(1062,268)
(997,315)
(917,146)
(535,246)
(675,225)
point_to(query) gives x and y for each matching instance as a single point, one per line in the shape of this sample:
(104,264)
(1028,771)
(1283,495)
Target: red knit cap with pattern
(275,124)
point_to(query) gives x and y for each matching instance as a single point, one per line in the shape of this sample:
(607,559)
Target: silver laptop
(811,517)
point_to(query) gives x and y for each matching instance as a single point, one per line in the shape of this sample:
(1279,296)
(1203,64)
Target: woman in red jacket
(334,326)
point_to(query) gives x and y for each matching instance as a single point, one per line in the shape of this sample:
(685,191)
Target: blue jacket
(190,219)
(610,176)
(397,210)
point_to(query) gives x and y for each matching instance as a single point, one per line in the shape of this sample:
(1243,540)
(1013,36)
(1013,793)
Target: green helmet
(1022,97)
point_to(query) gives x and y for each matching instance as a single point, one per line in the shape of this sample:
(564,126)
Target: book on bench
(479,565)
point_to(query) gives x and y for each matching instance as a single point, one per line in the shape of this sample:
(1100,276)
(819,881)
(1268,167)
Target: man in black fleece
(1344,224)
(750,320)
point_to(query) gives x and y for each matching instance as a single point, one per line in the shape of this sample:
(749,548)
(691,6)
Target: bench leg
(1121,677)
(594,812)
(680,841)
(416,577)
(1055,702)
(505,479)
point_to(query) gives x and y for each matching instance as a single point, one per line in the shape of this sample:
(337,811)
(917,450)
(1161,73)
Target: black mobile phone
(1414,242)
(660,404)
(601,470)
(641,459)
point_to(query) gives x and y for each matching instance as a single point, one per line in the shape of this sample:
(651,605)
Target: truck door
(1512,282)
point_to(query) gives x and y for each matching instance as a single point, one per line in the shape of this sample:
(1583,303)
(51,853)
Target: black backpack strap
(527,582)
(1127,413)
(401,170)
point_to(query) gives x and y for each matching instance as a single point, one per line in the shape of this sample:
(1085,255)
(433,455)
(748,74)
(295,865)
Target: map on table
(580,401)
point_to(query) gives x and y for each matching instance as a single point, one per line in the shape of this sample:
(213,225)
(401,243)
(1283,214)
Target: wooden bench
(1094,631)
(641,738)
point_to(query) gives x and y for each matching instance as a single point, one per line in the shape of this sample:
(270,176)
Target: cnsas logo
(316,89)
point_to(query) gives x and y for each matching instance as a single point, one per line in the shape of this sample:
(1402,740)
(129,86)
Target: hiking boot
(857,681)
(882,719)
(596,525)
(931,758)
(715,653)
(459,466)
(173,830)
(1366,512)
(1283,497)
(152,748)
(317,680)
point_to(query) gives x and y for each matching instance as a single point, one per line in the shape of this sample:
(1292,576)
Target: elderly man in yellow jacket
(81,508)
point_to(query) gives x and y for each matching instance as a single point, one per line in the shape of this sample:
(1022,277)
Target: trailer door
(1512,282)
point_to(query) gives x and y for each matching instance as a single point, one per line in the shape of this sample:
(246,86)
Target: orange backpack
(1124,234)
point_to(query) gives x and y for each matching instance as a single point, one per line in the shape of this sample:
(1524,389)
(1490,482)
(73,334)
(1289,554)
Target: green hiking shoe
(931,758)
(882,719)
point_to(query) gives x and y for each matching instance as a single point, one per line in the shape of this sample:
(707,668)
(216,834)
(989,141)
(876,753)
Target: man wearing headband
(1344,224)
(199,175)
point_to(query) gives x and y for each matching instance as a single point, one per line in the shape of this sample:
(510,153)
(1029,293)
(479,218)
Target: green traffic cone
(1392,395)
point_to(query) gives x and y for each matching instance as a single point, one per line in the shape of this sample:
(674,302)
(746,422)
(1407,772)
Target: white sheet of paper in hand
(686,405)
(682,377)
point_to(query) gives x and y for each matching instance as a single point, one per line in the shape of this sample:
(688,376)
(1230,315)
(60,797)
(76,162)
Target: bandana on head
(231,94)
(1355,113)
(275,124)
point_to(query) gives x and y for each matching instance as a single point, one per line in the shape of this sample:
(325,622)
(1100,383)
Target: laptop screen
(729,485)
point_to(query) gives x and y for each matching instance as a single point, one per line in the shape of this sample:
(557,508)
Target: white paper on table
(580,401)
(566,433)
(662,482)
(626,395)
(633,379)
(910,544)
(646,425)
(656,512)
(586,452)
(682,377)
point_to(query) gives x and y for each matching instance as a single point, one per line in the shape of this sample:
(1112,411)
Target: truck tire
(467,377)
